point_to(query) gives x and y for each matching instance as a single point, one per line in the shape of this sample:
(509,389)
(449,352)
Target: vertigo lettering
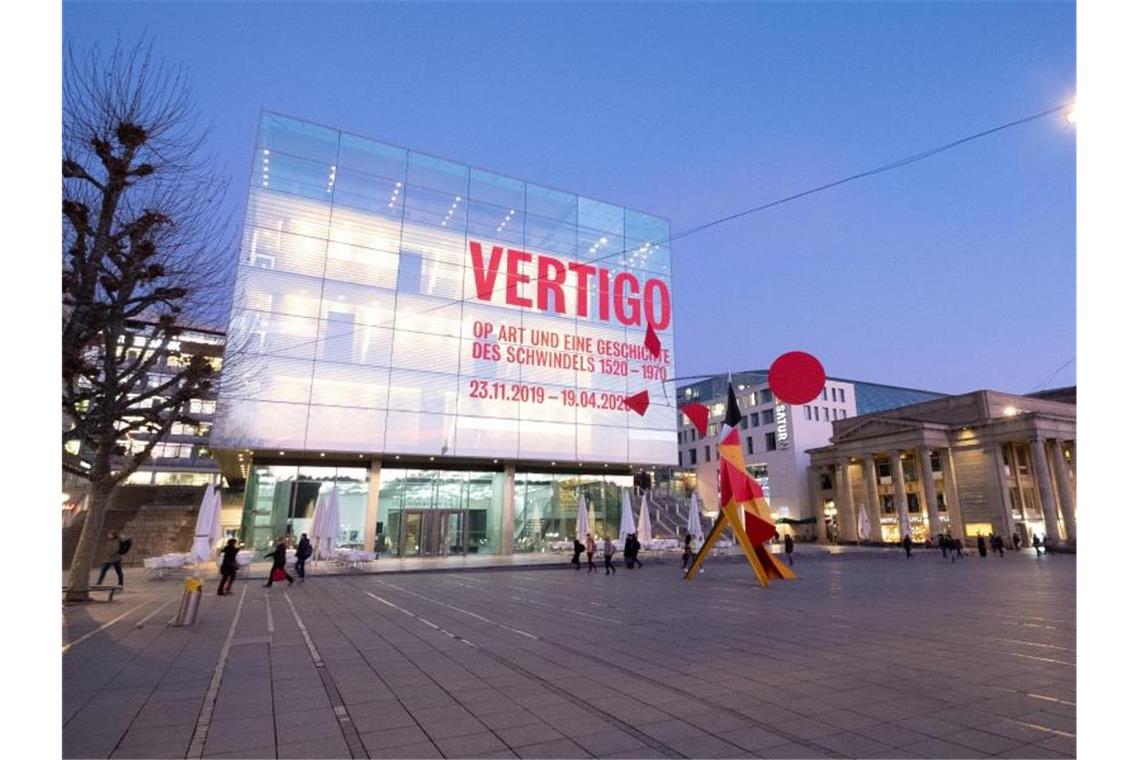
(623,297)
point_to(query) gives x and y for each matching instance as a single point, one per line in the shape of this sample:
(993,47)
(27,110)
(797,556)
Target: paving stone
(983,742)
(465,746)
(559,749)
(535,733)
(706,746)
(407,751)
(393,737)
(329,747)
(452,728)
(512,719)
(753,738)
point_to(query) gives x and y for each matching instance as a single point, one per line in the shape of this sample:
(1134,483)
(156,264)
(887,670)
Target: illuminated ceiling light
(390,205)
(280,453)
(322,453)
(511,212)
(1010,411)
(552,463)
(397,456)
(603,241)
(265,184)
(266,151)
(399,184)
(457,199)
(361,456)
(432,459)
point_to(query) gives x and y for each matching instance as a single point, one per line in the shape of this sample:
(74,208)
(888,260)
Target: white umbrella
(216,532)
(326,525)
(583,527)
(202,549)
(864,523)
(644,531)
(627,524)
(694,526)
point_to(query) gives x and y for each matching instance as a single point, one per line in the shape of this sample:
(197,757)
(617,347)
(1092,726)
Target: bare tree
(144,255)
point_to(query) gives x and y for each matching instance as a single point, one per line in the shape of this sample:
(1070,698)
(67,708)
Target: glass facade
(391,301)
(439,512)
(280,501)
(546,507)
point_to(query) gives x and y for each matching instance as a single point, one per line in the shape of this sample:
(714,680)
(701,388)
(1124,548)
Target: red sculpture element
(638,402)
(698,414)
(796,377)
(652,342)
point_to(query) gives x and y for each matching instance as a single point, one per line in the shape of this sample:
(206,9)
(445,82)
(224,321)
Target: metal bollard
(191,598)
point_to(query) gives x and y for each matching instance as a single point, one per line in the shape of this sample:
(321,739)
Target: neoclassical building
(978,463)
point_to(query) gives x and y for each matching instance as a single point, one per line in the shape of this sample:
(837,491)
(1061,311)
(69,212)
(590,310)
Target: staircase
(671,515)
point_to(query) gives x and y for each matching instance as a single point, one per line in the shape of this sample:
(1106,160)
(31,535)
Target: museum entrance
(434,533)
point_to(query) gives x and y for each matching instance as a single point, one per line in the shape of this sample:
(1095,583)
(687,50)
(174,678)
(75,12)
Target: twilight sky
(953,274)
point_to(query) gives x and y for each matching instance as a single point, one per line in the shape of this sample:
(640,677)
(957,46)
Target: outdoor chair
(154,568)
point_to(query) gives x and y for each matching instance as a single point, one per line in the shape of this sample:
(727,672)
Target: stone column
(901,507)
(950,484)
(816,497)
(1065,491)
(844,502)
(1002,507)
(507,517)
(372,507)
(934,525)
(871,484)
(1045,488)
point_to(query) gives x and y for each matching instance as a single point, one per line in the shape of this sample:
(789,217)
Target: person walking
(119,548)
(627,551)
(636,548)
(229,567)
(907,545)
(942,545)
(956,546)
(981,546)
(789,547)
(277,572)
(687,554)
(608,550)
(577,560)
(999,545)
(304,551)
(591,547)
(1017,542)
(1037,544)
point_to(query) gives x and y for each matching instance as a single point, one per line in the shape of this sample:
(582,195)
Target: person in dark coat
(229,567)
(687,554)
(120,545)
(908,544)
(957,546)
(1017,542)
(999,545)
(1037,544)
(577,560)
(636,547)
(981,546)
(304,551)
(627,550)
(278,555)
(789,547)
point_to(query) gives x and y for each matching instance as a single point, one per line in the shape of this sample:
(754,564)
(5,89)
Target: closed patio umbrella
(627,524)
(583,526)
(694,525)
(202,548)
(216,531)
(904,520)
(644,528)
(326,525)
(864,523)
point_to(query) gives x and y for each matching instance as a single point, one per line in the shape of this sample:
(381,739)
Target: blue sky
(953,274)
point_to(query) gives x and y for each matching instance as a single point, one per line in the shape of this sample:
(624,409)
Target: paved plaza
(866,655)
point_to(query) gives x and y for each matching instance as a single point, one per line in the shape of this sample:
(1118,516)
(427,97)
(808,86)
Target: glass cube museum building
(450,349)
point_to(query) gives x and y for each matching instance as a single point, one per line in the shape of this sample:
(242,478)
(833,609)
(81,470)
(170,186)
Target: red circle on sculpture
(796,377)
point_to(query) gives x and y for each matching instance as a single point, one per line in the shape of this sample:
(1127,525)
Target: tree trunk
(79,574)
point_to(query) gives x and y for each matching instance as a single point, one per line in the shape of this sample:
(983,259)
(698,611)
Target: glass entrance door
(434,533)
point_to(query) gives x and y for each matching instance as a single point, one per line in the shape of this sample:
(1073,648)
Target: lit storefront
(447,348)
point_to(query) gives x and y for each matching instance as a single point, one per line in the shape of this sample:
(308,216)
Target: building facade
(979,463)
(775,437)
(447,348)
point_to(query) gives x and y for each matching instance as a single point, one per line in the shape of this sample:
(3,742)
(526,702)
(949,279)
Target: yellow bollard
(191,598)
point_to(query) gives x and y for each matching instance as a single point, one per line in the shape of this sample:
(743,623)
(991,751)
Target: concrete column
(950,484)
(372,507)
(1045,488)
(1000,496)
(871,484)
(933,523)
(844,502)
(816,496)
(1065,491)
(900,493)
(507,517)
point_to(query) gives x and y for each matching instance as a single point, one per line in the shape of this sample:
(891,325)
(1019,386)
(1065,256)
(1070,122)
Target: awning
(790,521)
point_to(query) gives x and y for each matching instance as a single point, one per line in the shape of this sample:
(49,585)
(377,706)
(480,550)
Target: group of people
(591,548)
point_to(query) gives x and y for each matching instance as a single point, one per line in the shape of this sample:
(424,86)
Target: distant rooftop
(869,397)
(1068,395)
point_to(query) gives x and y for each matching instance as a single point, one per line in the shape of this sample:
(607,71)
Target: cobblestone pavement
(867,655)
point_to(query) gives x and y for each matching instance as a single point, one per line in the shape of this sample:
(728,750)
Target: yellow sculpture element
(738,490)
